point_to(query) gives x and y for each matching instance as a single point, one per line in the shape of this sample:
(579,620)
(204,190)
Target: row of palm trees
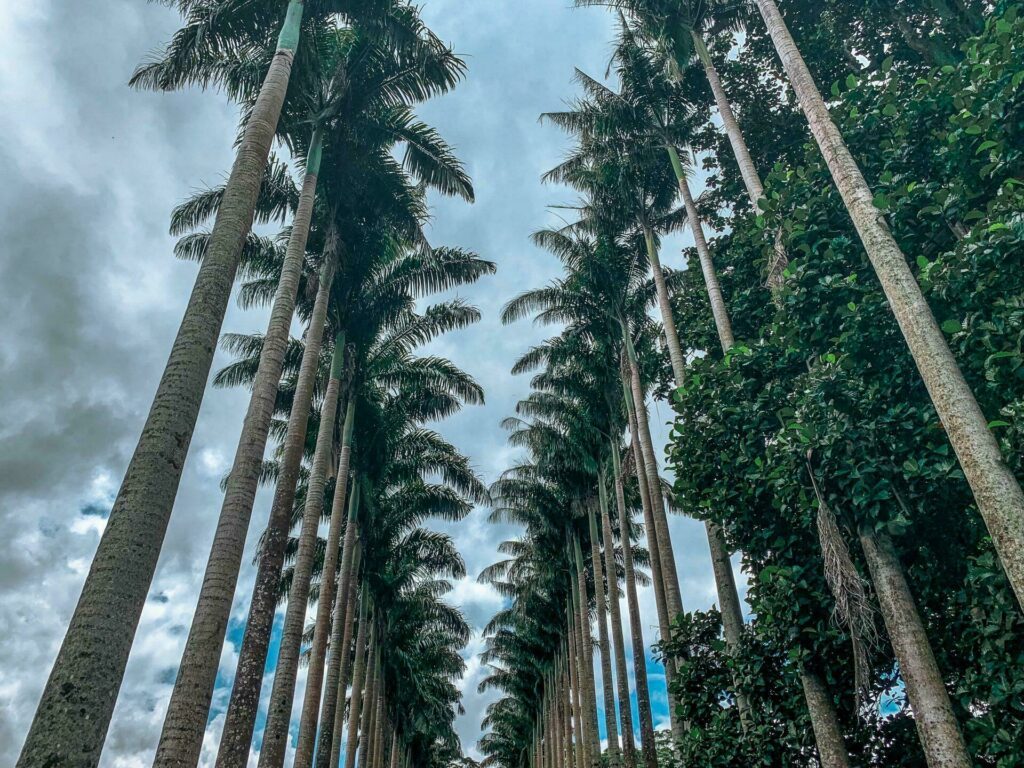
(336,82)
(629,166)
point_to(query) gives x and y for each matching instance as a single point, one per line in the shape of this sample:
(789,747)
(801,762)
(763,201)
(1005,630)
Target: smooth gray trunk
(325,603)
(652,544)
(337,669)
(648,751)
(936,724)
(668,323)
(996,490)
(585,646)
(604,645)
(358,681)
(828,736)
(279,713)
(243,706)
(581,753)
(181,739)
(618,641)
(73,715)
(751,180)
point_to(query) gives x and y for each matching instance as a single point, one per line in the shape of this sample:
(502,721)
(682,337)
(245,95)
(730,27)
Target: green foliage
(823,370)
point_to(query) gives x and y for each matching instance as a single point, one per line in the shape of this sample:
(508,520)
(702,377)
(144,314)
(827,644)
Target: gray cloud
(92,298)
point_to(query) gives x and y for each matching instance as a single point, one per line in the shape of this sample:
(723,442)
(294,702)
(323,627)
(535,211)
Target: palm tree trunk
(243,706)
(337,670)
(71,721)
(394,748)
(322,627)
(996,490)
(718,310)
(582,751)
(181,739)
(751,180)
(568,754)
(358,680)
(275,735)
(618,642)
(373,760)
(648,751)
(933,713)
(604,645)
(652,543)
(828,736)
(586,646)
(673,601)
(668,323)
(369,706)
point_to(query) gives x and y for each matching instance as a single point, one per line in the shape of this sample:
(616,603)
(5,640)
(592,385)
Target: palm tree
(996,490)
(75,709)
(359,82)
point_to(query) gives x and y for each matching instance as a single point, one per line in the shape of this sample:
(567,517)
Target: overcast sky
(92,295)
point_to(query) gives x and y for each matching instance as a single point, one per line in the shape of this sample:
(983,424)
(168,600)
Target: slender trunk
(369,707)
(377,716)
(996,490)
(751,180)
(827,734)
(933,713)
(322,627)
(718,310)
(358,680)
(604,645)
(643,696)
(668,323)
(652,545)
(181,739)
(71,721)
(673,601)
(582,759)
(618,642)
(586,645)
(569,752)
(394,748)
(275,735)
(245,692)
(337,670)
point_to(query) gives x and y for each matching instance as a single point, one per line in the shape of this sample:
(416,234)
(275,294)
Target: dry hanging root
(853,609)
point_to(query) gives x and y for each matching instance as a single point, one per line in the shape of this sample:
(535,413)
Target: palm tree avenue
(755,497)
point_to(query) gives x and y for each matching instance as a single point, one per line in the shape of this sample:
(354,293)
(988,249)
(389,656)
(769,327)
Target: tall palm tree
(996,490)
(355,82)
(79,697)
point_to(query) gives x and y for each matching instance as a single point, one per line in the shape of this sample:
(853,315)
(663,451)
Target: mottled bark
(936,724)
(358,681)
(643,696)
(279,713)
(618,641)
(996,490)
(337,668)
(71,721)
(243,705)
(828,736)
(181,739)
(325,603)
(603,643)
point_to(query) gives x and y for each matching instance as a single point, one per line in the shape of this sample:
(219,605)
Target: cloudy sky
(92,297)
